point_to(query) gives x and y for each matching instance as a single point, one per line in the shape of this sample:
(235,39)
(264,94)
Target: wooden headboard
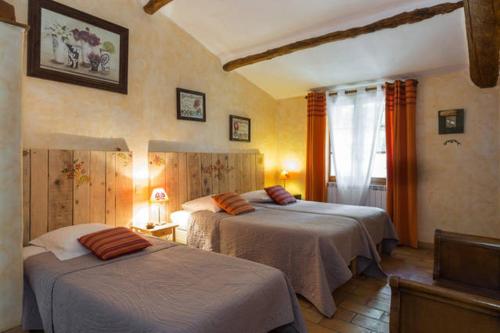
(187,176)
(64,187)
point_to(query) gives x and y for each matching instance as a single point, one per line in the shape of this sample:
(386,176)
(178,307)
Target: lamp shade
(284,175)
(159,195)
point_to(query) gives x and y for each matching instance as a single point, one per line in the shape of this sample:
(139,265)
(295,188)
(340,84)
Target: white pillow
(257,196)
(30,251)
(63,242)
(203,203)
(181,218)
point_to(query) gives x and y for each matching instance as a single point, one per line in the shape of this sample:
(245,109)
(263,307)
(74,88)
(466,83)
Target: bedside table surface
(157,227)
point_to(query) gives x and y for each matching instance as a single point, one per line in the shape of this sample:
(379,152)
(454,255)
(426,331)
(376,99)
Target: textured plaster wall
(161,58)
(292,141)
(11,39)
(458,188)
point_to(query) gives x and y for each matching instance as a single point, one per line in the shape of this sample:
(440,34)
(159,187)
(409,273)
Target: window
(379,171)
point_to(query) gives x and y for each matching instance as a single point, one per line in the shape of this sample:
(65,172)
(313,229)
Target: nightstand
(159,231)
(298,196)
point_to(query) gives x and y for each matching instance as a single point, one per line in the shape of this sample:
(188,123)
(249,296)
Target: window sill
(373,186)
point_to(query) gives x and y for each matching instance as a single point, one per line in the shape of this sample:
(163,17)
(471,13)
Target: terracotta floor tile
(362,309)
(342,326)
(371,324)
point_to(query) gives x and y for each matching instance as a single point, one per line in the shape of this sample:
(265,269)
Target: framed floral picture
(239,128)
(191,105)
(67,45)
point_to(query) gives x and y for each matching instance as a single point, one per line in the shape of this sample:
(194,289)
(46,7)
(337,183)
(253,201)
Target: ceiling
(234,28)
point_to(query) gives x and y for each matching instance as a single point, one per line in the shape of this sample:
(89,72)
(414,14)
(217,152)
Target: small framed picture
(451,121)
(239,128)
(191,105)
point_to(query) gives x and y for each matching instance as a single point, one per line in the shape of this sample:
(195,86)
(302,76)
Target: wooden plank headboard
(187,176)
(65,187)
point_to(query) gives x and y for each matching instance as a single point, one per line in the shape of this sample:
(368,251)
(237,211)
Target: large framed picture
(239,128)
(67,45)
(191,105)
(451,121)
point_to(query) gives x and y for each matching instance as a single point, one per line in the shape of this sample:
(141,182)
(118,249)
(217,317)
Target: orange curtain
(400,107)
(316,179)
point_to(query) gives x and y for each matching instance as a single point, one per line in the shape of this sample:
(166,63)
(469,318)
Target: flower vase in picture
(95,61)
(59,49)
(60,35)
(88,42)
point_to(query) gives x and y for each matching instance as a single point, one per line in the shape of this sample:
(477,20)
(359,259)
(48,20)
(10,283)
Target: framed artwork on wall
(191,105)
(239,128)
(451,121)
(67,45)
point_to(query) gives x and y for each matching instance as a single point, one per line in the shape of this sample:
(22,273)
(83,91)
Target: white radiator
(376,195)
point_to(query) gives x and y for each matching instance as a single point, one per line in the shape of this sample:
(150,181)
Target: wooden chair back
(467,259)
(420,308)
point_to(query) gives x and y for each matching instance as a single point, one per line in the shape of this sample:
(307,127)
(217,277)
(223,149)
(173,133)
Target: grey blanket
(165,288)
(313,250)
(376,220)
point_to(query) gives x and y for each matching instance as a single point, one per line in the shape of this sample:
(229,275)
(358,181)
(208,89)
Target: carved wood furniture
(466,259)
(418,308)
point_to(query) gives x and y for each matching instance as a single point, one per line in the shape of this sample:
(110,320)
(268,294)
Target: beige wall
(161,58)
(458,188)
(11,39)
(292,141)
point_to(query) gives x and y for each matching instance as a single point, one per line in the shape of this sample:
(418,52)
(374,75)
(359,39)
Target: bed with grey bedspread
(313,250)
(165,288)
(376,220)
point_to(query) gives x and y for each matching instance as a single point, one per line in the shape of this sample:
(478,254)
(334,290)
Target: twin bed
(303,248)
(313,243)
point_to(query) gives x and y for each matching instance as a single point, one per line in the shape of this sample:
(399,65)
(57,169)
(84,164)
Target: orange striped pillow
(280,195)
(111,243)
(232,203)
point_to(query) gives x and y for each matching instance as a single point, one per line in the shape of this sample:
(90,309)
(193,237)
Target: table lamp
(158,197)
(284,176)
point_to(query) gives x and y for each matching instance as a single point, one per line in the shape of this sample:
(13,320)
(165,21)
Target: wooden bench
(473,261)
(418,308)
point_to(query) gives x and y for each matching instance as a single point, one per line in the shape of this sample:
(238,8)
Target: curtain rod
(353,91)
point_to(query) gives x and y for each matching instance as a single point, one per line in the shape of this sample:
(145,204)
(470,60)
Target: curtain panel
(400,109)
(316,167)
(354,122)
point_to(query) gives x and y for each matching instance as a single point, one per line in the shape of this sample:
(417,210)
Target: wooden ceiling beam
(483,41)
(414,16)
(155,5)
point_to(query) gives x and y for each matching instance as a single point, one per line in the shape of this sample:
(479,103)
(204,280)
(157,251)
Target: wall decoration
(76,170)
(451,121)
(239,128)
(191,105)
(70,46)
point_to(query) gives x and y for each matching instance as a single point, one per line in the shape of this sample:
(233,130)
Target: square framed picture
(451,121)
(191,105)
(67,45)
(239,128)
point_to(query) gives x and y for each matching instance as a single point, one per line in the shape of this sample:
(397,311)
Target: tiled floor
(363,303)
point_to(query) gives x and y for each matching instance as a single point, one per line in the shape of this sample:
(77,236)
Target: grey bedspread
(165,288)
(376,220)
(313,250)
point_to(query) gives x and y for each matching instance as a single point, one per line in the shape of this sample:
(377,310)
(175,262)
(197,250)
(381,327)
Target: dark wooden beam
(414,16)
(483,41)
(154,5)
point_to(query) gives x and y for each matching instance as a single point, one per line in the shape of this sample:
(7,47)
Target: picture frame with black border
(240,128)
(191,105)
(451,121)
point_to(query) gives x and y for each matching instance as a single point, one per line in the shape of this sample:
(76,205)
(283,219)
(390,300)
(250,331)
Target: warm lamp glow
(159,195)
(284,175)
